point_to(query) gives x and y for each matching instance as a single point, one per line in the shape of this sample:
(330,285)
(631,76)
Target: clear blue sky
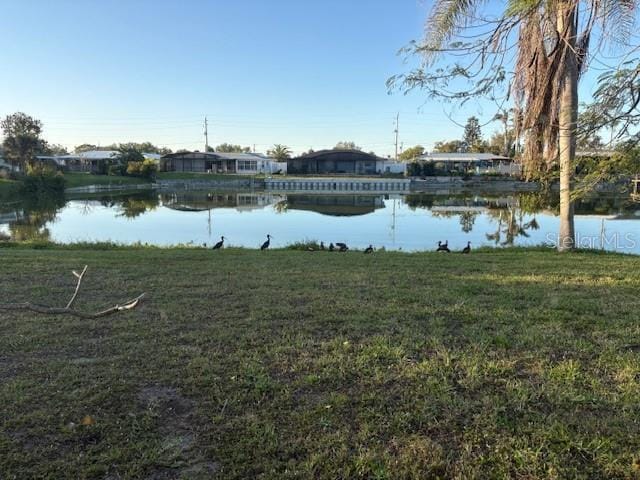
(305,74)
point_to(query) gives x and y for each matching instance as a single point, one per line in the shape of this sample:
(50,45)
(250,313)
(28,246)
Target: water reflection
(27,220)
(198,201)
(409,222)
(336,205)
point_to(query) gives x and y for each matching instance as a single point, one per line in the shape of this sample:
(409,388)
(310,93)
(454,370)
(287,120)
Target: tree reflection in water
(128,206)
(32,216)
(467,220)
(134,206)
(281,207)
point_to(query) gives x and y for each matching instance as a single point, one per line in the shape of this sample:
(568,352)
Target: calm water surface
(397,222)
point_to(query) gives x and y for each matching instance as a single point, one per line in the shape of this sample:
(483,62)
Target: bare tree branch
(79,277)
(34,307)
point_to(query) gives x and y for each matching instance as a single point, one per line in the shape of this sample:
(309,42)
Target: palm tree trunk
(567,121)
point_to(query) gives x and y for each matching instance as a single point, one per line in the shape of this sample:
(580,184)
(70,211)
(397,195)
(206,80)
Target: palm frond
(518,8)
(618,18)
(446,19)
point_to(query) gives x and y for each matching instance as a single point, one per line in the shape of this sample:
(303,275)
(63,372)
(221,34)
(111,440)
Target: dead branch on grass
(34,307)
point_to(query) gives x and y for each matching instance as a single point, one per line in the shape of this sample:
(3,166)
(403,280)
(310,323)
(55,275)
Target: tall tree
(508,133)
(411,153)
(499,144)
(280,152)
(552,44)
(472,135)
(55,149)
(22,139)
(130,153)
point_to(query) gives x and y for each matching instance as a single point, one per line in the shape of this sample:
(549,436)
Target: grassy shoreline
(293,364)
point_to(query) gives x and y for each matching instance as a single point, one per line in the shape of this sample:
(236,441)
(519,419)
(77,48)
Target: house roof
(88,155)
(462,157)
(345,155)
(218,155)
(240,156)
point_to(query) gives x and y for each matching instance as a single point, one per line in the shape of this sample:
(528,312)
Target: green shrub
(42,180)
(146,168)
(117,170)
(421,169)
(304,245)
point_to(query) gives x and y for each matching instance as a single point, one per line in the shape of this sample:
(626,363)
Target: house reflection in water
(334,205)
(197,201)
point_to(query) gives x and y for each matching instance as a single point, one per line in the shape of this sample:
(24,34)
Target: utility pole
(396,132)
(206,135)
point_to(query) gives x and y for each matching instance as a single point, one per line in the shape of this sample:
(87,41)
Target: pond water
(397,222)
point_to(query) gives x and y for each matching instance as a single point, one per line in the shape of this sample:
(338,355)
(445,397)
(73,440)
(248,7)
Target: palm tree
(552,48)
(280,152)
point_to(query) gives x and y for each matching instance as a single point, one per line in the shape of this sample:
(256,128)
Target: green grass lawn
(290,364)
(86,179)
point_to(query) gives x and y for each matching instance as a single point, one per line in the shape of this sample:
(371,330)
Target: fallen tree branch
(34,307)
(79,277)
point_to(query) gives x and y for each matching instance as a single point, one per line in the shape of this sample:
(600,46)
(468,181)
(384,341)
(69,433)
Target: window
(247,165)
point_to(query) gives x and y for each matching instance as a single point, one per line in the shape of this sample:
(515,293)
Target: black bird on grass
(369,249)
(219,245)
(342,246)
(331,247)
(321,245)
(443,247)
(467,249)
(266,244)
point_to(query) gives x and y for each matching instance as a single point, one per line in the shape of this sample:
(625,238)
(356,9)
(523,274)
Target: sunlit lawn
(76,179)
(292,364)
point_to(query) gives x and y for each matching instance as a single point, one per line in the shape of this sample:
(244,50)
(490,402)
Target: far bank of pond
(91,183)
(397,221)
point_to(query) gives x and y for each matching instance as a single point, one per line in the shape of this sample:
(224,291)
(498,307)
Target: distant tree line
(144,147)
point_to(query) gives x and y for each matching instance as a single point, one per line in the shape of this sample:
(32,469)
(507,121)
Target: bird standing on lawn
(321,245)
(467,249)
(219,245)
(443,247)
(331,247)
(342,246)
(369,249)
(266,244)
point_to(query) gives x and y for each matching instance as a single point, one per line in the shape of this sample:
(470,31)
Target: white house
(390,166)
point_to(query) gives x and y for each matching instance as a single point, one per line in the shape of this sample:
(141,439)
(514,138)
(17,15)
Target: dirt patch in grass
(176,422)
